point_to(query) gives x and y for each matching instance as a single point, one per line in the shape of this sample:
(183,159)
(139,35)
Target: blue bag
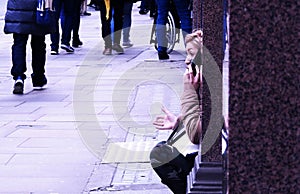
(45,14)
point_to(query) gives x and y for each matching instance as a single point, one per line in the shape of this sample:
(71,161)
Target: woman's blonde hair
(195,37)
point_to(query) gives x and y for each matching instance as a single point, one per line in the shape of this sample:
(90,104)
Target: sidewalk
(90,131)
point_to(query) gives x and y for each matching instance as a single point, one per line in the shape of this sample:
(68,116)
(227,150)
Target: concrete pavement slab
(52,159)
(129,152)
(4,158)
(22,185)
(25,131)
(32,171)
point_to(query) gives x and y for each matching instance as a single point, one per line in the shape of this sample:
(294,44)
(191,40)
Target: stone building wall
(208,16)
(264,96)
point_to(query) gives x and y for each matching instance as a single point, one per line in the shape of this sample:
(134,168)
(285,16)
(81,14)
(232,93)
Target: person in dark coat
(20,20)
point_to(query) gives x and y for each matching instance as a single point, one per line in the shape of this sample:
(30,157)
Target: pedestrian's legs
(76,23)
(67,21)
(55,36)
(162,10)
(83,7)
(118,6)
(144,7)
(152,8)
(185,16)
(83,10)
(38,47)
(19,56)
(127,20)
(144,4)
(106,31)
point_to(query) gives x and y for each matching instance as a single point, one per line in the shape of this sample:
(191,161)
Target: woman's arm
(190,106)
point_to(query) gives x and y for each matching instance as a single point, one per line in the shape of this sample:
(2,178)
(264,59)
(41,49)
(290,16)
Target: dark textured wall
(210,15)
(197,12)
(264,97)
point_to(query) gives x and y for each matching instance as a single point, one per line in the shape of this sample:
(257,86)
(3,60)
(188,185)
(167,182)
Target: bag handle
(176,134)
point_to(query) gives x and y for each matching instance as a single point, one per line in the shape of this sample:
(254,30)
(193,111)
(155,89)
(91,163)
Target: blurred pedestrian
(127,12)
(20,22)
(76,42)
(95,4)
(146,6)
(106,15)
(163,7)
(65,10)
(153,8)
(83,10)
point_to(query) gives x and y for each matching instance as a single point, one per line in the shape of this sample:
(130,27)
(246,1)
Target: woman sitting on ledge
(173,171)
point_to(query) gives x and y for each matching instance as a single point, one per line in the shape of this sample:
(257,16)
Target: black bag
(170,165)
(164,152)
(45,15)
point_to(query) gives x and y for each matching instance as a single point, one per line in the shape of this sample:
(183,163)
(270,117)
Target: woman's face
(191,50)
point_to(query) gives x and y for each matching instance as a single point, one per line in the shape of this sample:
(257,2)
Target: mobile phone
(194,68)
(196,61)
